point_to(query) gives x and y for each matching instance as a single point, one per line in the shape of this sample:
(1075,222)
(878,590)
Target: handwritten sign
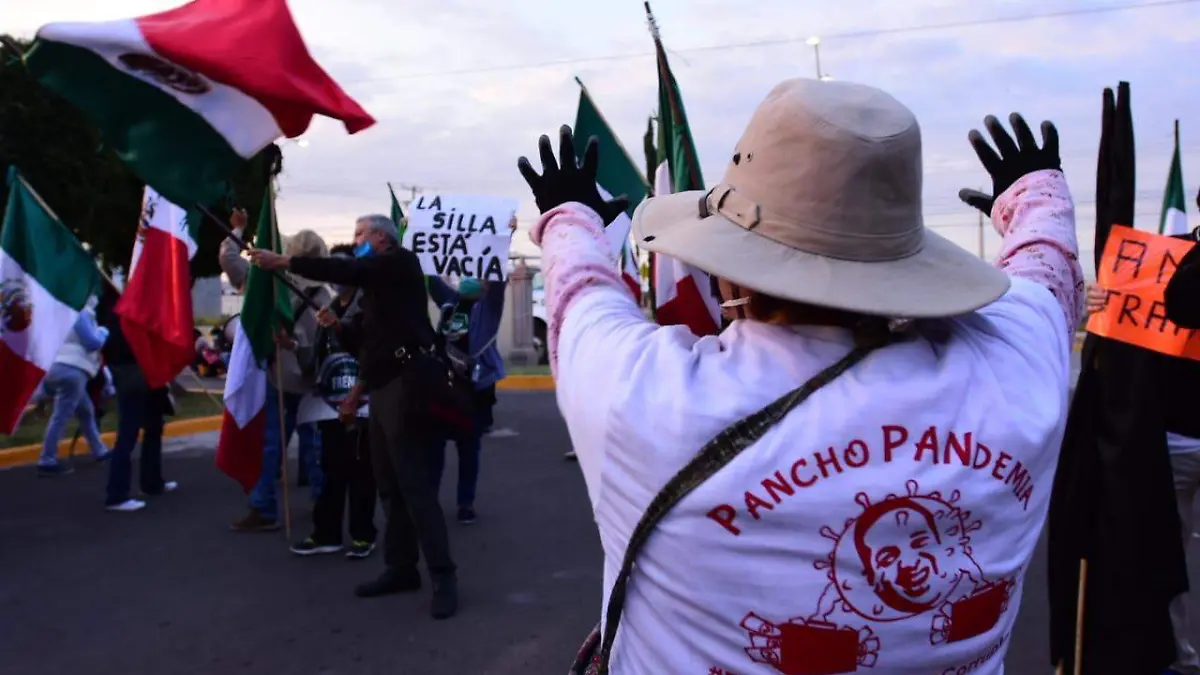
(1134,271)
(461,236)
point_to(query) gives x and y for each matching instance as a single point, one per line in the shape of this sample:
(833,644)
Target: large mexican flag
(187,95)
(45,280)
(617,175)
(267,307)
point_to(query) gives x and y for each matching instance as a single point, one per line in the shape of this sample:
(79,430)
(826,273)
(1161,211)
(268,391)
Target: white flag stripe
(160,214)
(245,383)
(668,271)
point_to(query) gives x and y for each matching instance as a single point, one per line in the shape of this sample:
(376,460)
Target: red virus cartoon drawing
(16,312)
(902,557)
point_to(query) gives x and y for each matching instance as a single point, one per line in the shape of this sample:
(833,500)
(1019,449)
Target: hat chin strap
(738,301)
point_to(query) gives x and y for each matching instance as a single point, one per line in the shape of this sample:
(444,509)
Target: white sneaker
(127,506)
(170,486)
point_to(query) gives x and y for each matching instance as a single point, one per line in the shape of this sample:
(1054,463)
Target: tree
(64,158)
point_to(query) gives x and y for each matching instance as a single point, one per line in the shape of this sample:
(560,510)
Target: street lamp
(815,43)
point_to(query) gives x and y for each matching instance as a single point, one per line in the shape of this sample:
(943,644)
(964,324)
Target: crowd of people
(861,460)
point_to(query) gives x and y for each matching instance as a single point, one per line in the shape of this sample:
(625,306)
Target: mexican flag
(397,213)
(1174,208)
(187,95)
(617,175)
(266,307)
(45,280)
(156,307)
(681,292)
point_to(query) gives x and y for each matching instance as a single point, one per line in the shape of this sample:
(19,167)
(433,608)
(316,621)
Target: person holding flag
(396,333)
(141,411)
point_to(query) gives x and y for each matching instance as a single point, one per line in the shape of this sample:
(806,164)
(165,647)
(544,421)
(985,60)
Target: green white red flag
(682,293)
(156,305)
(616,175)
(266,308)
(1174,208)
(188,95)
(46,278)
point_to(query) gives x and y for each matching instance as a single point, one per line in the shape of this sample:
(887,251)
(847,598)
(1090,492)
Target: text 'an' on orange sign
(1134,271)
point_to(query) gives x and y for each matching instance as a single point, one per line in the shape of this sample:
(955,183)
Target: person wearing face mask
(396,335)
(463,313)
(862,460)
(77,361)
(470,323)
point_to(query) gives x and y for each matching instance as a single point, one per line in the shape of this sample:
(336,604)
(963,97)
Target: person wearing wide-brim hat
(855,472)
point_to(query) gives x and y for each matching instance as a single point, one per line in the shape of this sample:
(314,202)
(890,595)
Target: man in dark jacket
(395,323)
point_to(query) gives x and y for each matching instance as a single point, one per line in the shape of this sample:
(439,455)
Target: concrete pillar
(520,300)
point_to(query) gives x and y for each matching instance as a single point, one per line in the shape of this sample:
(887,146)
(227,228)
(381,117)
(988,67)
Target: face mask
(363,250)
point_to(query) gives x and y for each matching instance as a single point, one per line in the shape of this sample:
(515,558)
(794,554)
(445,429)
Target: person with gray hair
(395,333)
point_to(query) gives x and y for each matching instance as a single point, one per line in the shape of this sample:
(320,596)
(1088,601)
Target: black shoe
(445,597)
(361,549)
(466,515)
(570,456)
(390,582)
(53,470)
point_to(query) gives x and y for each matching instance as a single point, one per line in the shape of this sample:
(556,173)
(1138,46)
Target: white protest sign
(455,236)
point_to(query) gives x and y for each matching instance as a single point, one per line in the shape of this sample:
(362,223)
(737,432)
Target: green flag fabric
(268,304)
(617,173)
(398,214)
(1174,207)
(675,143)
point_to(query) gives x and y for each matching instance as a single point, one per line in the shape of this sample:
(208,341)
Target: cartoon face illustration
(903,555)
(16,312)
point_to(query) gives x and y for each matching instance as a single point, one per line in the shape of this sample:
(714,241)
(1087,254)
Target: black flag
(1114,500)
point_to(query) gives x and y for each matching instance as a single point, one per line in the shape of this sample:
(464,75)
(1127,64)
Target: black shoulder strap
(713,457)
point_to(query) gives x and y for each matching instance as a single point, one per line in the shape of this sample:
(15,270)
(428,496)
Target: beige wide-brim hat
(821,204)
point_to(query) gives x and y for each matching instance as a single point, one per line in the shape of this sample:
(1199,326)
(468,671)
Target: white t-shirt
(884,527)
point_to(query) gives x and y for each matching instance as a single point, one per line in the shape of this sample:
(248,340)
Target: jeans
(346,463)
(469,449)
(400,455)
(68,386)
(262,497)
(139,412)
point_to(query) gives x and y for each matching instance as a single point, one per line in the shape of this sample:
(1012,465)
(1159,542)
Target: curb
(28,454)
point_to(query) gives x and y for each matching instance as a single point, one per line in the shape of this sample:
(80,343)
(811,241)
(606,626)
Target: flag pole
(228,231)
(283,453)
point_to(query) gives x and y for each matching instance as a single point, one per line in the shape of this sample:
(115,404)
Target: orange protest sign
(1134,271)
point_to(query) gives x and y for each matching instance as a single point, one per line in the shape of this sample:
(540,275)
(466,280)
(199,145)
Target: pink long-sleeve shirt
(890,518)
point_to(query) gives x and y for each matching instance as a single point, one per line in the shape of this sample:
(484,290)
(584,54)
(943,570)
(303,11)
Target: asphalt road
(171,590)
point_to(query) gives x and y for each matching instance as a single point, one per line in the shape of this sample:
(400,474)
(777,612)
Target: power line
(877,32)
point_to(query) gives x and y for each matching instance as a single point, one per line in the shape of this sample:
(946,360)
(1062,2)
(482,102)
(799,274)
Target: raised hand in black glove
(1014,160)
(570,181)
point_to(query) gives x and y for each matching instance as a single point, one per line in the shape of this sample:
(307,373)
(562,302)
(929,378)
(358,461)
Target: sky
(462,88)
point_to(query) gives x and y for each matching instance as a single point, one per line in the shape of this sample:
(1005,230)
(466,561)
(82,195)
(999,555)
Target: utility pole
(413,191)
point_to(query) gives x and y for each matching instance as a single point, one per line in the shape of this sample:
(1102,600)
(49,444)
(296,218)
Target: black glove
(573,181)
(1014,160)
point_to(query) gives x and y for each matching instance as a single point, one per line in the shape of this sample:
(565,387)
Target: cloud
(462,131)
